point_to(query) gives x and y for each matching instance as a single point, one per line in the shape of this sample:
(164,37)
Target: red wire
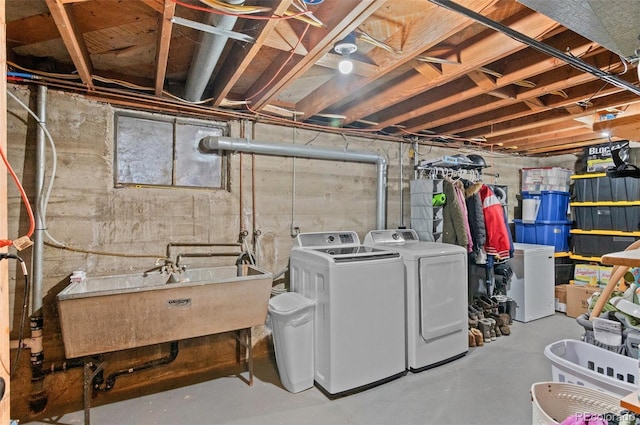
(32,222)
(283,64)
(239,15)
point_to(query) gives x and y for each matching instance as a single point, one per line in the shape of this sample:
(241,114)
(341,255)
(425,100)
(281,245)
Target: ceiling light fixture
(346,47)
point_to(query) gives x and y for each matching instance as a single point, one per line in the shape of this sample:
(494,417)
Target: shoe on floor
(478,310)
(472,313)
(484,325)
(478,335)
(498,330)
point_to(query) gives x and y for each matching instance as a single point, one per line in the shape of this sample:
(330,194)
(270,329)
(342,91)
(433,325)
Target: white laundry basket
(580,363)
(553,402)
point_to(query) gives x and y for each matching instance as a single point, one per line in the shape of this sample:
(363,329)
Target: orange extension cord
(32,225)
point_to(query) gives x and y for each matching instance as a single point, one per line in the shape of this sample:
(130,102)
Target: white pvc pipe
(217,143)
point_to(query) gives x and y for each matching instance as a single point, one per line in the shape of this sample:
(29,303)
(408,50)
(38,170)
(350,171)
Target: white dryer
(436,296)
(359,330)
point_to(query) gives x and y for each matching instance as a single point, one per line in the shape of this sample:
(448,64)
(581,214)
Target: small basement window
(162,150)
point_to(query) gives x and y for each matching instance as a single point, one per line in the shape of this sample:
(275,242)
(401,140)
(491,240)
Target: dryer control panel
(391,237)
(321,239)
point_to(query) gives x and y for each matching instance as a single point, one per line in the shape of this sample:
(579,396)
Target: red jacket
(498,242)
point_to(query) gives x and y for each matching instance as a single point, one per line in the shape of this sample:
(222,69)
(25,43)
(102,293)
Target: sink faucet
(163,265)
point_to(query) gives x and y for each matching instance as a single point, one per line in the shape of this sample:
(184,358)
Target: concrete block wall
(87,212)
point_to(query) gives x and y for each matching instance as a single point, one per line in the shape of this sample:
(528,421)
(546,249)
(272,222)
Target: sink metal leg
(243,337)
(249,355)
(89,375)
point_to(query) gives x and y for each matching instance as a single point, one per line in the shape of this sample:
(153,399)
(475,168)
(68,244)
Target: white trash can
(291,317)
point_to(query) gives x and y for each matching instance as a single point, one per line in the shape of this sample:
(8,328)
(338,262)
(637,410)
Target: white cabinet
(532,286)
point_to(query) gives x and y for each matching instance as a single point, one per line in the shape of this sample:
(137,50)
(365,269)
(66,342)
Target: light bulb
(345,65)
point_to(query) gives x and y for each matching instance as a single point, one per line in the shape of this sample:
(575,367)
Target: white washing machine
(359,330)
(436,296)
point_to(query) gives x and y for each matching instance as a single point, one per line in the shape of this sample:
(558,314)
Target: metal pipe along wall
(216,143)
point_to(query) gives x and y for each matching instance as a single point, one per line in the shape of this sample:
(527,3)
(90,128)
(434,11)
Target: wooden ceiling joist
(472,56)
(345,18)
(73,40)
(426,31)
(164,41)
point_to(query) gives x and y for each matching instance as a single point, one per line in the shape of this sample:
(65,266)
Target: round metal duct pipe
(216,143)
(207,54)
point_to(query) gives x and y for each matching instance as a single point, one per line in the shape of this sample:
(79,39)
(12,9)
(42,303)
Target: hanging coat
(454,219)
(498,240)
(476,220)
(459,188)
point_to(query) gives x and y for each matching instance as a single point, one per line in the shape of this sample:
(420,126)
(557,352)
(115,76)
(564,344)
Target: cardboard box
(577,297)
(561,298)
(604,273)
(586,274)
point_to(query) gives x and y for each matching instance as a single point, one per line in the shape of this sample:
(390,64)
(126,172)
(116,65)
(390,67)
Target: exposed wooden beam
(5,403)
(478,109)
(563,145)
(473,56)
(241,59)
(73,40)
(429,28)
(39,28)
(429,70)
(158,5)
(574,109)
(482,80)
(626,127)
(543,130)
(507,92)
(284,37)
(535,103)
(164,41)
(342,20)
(556,114)
(523,65)
(560,136)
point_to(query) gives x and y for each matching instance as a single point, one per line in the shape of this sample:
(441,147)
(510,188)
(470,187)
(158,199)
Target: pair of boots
(486,304)
(491,325)
(475,338)
(485,307)
(488,328)
(502,323)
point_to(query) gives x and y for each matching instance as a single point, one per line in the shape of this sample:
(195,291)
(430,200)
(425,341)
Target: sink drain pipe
(110,382)
(213,144)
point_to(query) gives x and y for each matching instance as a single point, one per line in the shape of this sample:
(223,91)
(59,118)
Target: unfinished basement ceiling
(421,70)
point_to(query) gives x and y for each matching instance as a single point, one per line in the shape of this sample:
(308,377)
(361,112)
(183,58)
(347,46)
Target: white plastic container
(553,402)
(291,317)
(584,364)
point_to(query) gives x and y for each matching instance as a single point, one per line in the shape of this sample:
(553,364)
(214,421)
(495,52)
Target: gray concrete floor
(490,385)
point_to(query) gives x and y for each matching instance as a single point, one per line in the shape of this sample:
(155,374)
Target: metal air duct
(216,143)
(207,54)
